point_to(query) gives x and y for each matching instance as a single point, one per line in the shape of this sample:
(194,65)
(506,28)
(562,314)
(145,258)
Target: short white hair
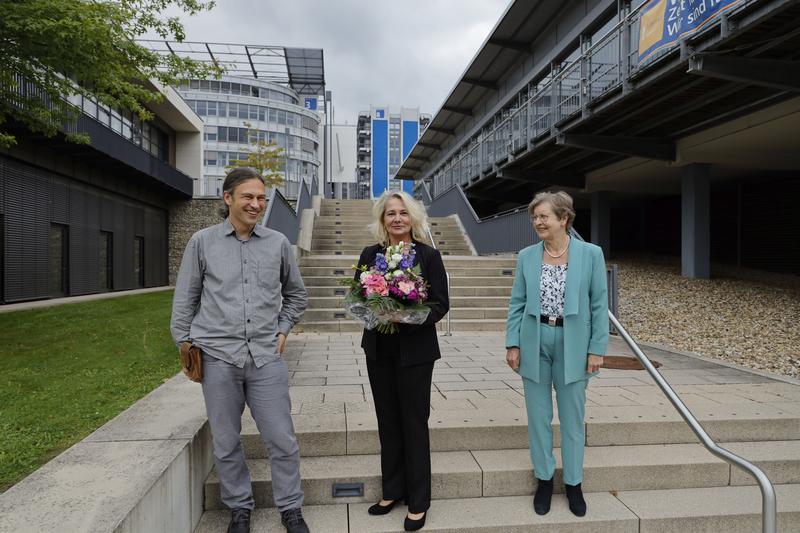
(416,212)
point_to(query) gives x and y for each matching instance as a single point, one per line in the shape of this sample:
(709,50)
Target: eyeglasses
(542,218)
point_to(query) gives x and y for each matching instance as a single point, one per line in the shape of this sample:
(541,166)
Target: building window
(59,260)
(106,261)
(138,261)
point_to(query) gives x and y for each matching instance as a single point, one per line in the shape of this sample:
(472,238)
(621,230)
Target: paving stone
(321,518)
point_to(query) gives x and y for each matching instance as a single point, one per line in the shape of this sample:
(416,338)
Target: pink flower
(375,283)
(405,286)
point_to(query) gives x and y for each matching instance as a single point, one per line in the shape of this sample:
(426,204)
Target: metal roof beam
(519,46)
(480,83)
(440,130)
(775,73)
(418,158)
(460,110)
(253,67)
(430,145)
(544,177)
(647,147)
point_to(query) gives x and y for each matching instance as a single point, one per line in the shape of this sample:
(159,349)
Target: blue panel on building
(311,103)
(410,136)
(380,156)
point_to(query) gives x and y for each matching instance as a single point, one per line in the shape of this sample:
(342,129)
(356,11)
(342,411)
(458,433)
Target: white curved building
(274,110)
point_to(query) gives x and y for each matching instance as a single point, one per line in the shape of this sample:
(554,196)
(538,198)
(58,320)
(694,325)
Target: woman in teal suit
(556,335)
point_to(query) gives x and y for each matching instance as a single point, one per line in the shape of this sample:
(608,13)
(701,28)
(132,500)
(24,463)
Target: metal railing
(282,217)
(769,511)
(567,91)
(448,332)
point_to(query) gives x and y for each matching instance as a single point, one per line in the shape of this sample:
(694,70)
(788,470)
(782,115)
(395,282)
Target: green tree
(266,157)
(50,49)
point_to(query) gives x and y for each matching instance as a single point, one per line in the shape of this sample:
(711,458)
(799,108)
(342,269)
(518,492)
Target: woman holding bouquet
(556,336)
(400,365)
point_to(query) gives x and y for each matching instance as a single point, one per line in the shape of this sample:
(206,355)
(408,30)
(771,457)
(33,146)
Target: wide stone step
(449,262)
(462,303)
(332,279)
(495,429)
(728,509)
(349,326)
(317,313)
(340,291)
(465,272)
(473,474)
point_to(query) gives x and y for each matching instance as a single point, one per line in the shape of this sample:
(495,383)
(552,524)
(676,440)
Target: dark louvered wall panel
(27,232)
(86,211)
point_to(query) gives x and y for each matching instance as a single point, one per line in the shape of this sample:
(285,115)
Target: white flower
(363,276)
(397,258)
(392,265)
(397,273)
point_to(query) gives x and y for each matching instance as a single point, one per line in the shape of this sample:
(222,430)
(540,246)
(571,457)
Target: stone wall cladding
(186,218)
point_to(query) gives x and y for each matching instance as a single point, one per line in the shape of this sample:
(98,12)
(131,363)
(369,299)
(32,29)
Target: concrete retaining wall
(142,471)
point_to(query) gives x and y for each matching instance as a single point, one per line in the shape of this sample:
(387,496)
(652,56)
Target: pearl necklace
(562,251)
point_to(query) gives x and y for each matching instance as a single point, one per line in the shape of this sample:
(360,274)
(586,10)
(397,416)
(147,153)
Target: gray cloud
(406,52)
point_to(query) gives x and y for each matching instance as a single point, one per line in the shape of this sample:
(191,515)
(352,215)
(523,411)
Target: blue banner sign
(311,103)
(663,22)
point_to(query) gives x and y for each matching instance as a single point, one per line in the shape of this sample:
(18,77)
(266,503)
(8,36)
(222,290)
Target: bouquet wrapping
(389,293)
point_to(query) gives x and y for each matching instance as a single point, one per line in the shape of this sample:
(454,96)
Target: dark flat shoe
(544,494)
(575,498)
(414,525)
(379,509)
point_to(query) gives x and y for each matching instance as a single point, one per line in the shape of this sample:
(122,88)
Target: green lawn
(68,369)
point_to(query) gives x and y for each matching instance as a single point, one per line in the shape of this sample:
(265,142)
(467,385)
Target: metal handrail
(769,510)
(448,332)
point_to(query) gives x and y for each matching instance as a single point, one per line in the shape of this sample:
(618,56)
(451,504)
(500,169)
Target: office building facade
(275,114)
(384,140)
(102,210)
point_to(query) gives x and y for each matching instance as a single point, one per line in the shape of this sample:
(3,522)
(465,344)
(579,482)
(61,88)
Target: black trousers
(403,404)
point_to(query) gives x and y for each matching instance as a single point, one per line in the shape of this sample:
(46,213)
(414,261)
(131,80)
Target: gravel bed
(747,317)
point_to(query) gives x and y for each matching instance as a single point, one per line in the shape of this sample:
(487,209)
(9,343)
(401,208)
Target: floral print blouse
(553,282)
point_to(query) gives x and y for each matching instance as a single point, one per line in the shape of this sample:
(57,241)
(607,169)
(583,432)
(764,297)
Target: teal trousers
(571,400)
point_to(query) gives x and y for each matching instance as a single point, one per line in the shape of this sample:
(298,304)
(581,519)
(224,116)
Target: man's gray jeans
(226,388)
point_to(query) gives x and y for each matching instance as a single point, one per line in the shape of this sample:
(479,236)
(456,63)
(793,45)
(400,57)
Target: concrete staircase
(342,229)
(480,286)
(644,472)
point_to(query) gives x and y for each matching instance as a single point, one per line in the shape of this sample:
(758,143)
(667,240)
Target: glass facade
(234,122)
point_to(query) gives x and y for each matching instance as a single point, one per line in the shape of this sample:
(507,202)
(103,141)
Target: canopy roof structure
(301,69)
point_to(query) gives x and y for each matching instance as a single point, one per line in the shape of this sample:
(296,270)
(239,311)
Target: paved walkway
(328,375)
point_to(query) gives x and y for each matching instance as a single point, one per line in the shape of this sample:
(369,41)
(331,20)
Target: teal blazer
(585,309)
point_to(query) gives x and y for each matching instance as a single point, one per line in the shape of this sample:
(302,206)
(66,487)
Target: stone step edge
(624,512)
(474,483)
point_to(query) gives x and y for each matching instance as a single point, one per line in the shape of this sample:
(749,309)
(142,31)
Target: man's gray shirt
(233,297)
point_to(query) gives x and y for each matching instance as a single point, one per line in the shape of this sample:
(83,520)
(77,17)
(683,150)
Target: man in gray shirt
(238,294)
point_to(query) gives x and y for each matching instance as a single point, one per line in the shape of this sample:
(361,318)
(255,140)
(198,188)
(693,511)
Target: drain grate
(339,315)
(338,292)
(507,273)
(338,272)
(347,490)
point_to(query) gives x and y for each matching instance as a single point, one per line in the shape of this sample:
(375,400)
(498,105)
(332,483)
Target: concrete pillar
(695,225)
(337,190)
(601,220)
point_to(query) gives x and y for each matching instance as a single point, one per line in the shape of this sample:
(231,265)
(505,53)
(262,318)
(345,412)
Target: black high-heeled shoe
(543,496)
(413,525)
(378,509)
(575,498)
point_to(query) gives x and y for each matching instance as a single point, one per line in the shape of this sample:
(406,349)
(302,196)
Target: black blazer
(416,343)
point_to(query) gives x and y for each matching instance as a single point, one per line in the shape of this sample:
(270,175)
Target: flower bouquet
(390,292)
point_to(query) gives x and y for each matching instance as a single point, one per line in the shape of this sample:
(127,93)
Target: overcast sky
(400,52)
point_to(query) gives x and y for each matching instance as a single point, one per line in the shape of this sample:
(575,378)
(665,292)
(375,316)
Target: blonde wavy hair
(416,212)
